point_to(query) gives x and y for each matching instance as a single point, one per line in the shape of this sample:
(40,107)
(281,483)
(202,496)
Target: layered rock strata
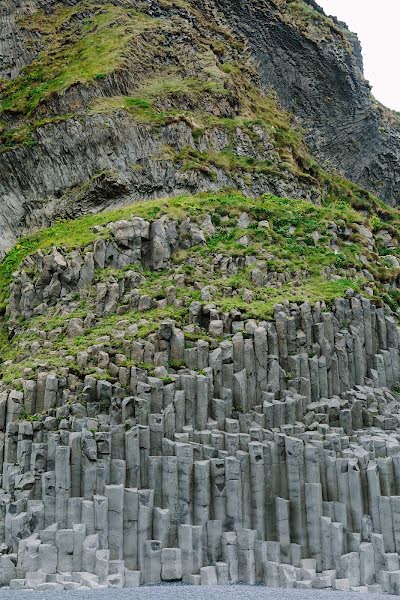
(184,105)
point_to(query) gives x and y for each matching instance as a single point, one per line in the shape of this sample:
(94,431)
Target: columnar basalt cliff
(199,338)
(314,63)
(154,433)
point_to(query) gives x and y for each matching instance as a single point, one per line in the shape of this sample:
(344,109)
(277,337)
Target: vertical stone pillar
(395,501)
(130,528)
(188,383)
(49,497)
(100,506)
(170,495)
(202,403)
(88,516)
(342,466)
(246,557)
(144,441)
(65,549)
(185,543)
(314,513)
(75,449)
(156,424)
(117,472)
(326,543)
(161,525)
(374,491)
(261,557)
(386,476)
(343,362)
(202,493)
(356,495)
(295,477)
(180,410)
(367,564)
(386,521)
(145,522)
(50,392)
(74,512)
(230,554)
(79,537)
(311,460)
(282,511)
(155,465)
(331,558)
(63,484)
(261,360)
(244,459)
(151,572)
(198,544)
(171,564)
(115,496)
(218,490)
(331,478)
(184,454)
(214,534)
(257,488)
(233,494)
(88,467)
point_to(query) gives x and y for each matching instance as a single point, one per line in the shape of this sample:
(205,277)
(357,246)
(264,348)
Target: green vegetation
(25,416)
(294,238)
(173,83)
(214,85)
(23,134)
(76,50)
(312,23)
(226,160)
(171,71)
(311,290)
(282,213)
(288,246)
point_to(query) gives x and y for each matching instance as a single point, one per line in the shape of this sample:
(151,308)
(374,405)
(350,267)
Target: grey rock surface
(267,453)
(320,79)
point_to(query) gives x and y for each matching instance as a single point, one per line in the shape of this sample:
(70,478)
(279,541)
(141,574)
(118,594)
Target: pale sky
(377,24)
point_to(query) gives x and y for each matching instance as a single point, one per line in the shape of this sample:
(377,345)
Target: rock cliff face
(315,65)
(196,384)
(133,100)
(167,414)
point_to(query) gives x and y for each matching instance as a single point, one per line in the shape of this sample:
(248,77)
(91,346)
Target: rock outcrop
(314,63)
(227,449)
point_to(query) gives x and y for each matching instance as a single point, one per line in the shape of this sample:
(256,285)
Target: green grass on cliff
(313,23)
(77,49)
(295,250)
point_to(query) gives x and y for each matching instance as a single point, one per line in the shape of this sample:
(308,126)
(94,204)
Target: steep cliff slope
(314,64)
(103,103)
(129,100)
